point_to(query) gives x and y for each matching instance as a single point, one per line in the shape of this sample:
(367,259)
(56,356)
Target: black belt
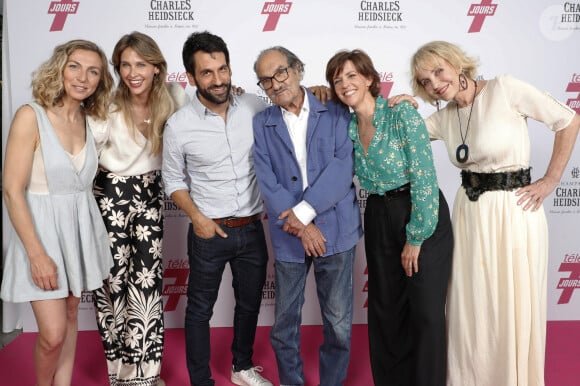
(476,184)
(234,222)
(396,191)
(393,192)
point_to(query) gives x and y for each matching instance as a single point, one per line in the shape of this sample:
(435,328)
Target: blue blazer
(330,169)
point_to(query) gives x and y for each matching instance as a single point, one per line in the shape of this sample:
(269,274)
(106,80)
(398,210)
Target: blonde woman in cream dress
(496,309)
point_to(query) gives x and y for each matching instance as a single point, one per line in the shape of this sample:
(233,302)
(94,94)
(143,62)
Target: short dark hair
(363,64)
(202,41)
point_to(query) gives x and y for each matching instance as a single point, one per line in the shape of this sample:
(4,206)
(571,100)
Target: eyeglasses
(280,76)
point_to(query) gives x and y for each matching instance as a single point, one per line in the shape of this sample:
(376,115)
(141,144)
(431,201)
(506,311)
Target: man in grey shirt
(208,171)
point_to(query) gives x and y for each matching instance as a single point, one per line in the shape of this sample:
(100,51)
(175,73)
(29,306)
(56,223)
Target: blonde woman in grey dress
(59,246)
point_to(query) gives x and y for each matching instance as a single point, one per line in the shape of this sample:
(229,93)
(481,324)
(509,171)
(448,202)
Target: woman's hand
(410,259)
(534,194)
(44,272)
(402,97)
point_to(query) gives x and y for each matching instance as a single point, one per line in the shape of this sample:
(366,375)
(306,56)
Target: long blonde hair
(48,80)
(433,53)
(160,101)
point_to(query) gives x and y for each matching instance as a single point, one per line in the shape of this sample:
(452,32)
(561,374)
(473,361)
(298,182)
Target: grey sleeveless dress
(68,223)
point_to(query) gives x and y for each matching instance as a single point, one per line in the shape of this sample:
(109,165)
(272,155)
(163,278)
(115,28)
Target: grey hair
(293,60)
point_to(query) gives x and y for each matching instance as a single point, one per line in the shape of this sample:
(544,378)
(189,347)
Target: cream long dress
(496,306)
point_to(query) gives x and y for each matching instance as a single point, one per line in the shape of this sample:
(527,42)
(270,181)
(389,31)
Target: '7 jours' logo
(480,12)
(274,10)
(61,9)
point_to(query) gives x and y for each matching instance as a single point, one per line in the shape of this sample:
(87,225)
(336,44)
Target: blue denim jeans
(333,275)
(245,250)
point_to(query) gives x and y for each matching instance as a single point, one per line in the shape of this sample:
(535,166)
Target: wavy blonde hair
(160,101)
(433,53)
(48,85)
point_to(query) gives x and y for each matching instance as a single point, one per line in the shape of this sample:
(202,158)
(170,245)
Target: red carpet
(16,368)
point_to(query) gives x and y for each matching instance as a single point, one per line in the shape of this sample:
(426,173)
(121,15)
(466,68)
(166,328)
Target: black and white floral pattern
(129,306)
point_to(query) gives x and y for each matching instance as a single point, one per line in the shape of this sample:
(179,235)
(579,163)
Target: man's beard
(218,100)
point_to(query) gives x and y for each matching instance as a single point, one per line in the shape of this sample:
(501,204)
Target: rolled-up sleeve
(173,169)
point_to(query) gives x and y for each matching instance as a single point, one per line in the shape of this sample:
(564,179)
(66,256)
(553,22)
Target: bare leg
(54,341)
(64,367)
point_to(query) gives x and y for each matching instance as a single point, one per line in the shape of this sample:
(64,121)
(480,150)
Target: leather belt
(234,222)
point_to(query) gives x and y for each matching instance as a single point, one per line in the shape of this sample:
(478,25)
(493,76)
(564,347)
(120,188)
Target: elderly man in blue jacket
(304,164)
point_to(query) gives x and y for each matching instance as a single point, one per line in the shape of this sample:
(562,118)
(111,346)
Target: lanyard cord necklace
(462,152)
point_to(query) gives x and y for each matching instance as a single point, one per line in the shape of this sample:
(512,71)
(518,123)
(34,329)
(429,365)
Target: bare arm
(534,194)
(22,141)
(203,226)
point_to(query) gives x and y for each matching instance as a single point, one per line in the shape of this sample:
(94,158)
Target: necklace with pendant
(462,152)
(138,113)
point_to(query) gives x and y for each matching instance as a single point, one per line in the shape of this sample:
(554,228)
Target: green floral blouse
(400,153)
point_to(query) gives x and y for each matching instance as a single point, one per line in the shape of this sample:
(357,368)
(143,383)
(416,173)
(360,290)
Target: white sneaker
(250,377)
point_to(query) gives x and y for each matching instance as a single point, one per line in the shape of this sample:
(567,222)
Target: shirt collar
(203,111)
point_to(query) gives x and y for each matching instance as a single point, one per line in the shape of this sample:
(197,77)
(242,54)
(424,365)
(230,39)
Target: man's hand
(313,241)
(321,92)
(292,225)
(206,228)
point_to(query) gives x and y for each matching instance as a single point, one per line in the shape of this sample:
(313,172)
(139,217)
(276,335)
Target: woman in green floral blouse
(408,235)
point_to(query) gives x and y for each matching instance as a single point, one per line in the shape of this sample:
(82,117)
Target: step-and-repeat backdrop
(537,41)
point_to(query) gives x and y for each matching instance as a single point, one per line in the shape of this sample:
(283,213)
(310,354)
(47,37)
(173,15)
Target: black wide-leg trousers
(406,315)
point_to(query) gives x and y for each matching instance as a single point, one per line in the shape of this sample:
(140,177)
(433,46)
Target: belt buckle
(230,222)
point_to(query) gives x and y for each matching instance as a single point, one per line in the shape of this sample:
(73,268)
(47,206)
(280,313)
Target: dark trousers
(245,250)
(406,315)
